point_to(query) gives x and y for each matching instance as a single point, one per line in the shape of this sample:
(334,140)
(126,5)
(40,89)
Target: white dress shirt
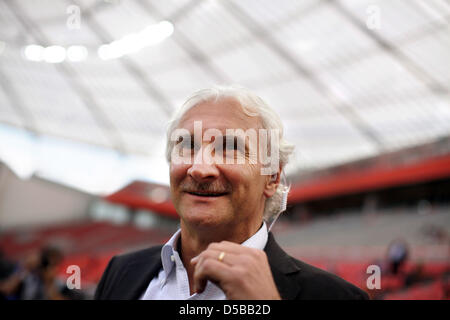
(172,282)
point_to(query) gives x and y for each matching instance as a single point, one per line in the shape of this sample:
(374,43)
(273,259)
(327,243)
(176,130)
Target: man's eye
(186,144)
(229,144)
(232,144)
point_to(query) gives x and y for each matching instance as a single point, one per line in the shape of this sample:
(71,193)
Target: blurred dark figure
(397,255)
(417,275)
(36,279)
(6,266)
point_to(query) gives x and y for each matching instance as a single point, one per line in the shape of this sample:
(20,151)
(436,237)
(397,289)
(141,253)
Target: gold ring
(221,256)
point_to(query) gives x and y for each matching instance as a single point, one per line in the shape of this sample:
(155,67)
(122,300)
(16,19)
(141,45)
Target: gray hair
(252,105)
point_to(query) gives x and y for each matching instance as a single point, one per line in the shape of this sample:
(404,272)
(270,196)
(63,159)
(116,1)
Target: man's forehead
(221,115)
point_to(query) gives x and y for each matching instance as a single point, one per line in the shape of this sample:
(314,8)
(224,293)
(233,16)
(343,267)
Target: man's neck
(192,242)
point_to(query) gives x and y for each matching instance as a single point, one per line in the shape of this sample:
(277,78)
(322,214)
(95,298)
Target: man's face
(208,193)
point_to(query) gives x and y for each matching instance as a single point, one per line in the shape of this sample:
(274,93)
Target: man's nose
(204,166)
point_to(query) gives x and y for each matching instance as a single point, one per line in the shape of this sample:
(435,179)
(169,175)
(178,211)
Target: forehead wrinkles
(222,114)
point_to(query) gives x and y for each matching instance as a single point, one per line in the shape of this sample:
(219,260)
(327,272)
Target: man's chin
(203,218)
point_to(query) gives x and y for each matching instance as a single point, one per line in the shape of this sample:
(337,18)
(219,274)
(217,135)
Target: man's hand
(243,273)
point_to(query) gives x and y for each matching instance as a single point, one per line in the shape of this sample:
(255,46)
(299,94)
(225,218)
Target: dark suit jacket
(127,276)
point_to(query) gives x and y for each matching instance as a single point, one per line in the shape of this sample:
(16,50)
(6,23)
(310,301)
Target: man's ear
(272,183)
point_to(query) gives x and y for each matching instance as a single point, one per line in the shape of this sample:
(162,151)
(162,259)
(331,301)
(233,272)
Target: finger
(231,247)
(210,269)
(228,258)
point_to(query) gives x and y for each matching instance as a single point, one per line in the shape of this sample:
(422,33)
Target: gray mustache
(207,187)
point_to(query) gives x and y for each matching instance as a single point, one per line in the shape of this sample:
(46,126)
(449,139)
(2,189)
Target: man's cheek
(177,169)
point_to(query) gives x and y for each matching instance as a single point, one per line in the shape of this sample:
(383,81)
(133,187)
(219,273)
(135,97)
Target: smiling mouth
(207,194)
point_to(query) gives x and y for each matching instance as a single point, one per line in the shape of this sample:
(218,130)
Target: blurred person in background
(397,255)
(224,249)
(36,278)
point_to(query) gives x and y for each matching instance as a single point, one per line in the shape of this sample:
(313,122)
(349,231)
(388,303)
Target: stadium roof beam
(189,46)
(132,68)
(17,104)
(273,44)
(105,124)
(391,49)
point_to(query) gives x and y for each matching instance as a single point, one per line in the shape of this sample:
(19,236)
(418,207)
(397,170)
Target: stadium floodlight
(54,54)
(134,42)
(77,53)
(34,52)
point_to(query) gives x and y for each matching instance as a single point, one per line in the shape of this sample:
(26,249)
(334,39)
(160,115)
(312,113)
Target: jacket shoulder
(318,284)
(116,269)
(138,255)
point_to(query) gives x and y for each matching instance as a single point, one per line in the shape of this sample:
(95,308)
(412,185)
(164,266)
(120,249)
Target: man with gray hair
(226,152)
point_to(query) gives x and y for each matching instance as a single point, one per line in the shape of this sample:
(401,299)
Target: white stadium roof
(350,79)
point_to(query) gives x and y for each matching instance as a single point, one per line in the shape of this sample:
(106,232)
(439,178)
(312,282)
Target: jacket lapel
(138,274)
(283,269)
